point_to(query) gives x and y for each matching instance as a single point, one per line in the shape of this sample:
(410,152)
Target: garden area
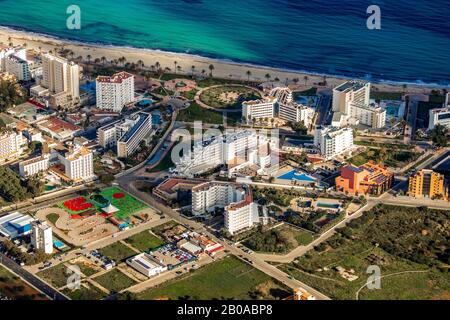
(229,278)
(393,157)
(228,97)
(408,244)
(196,113)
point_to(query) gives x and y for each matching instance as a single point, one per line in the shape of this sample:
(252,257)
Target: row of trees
(13,189)
(10,94)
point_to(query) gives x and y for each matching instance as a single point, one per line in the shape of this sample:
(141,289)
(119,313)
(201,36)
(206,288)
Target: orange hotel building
(369,178)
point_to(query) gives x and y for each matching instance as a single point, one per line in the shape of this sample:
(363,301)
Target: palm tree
(249,73)
(88,57)
(179,68)
(157,66)
(103,60)
(140,63)
(306,80)
(203,72)
(175,64)
(267,76)
(296,80)
(192,71)
(211,69)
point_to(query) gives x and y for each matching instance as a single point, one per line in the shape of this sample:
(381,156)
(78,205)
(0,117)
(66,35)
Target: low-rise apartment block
(369,178)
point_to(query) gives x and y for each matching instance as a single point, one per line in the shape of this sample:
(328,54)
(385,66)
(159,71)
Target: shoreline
(222,68)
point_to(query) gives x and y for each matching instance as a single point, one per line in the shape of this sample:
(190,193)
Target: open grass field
(56,276)
(117,252)
(13,287)
(395,158)
(144,241)
(87,291)
(399,234)
(114,280)
(196,113)
(226,278)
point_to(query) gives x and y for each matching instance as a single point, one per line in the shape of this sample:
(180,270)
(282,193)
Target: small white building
(146,264)
(439,116)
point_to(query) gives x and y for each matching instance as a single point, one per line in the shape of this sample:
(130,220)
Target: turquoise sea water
(322,36)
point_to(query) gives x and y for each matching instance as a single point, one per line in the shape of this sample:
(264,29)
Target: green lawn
(53,217)
(87,291)
(196,113)
(117,252)
(114,280)
(144,241)
(226,278)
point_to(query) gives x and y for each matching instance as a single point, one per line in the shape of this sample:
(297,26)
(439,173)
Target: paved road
(33,280)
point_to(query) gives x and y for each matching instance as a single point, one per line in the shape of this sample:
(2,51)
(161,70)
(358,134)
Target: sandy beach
(222,69)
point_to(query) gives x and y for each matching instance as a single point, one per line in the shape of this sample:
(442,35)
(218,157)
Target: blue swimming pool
(328,205)
(296,175)
(145,103)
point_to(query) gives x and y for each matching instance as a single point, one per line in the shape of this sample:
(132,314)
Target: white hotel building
(62,79)
(114,92)
(439,116)
(14,61)
(278,103)
(11,145)
(42,236)
(126,134)
(351,101)
(259,109)
(35,165)
(78,163)
(241,213)
(235,150)
(332,141)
